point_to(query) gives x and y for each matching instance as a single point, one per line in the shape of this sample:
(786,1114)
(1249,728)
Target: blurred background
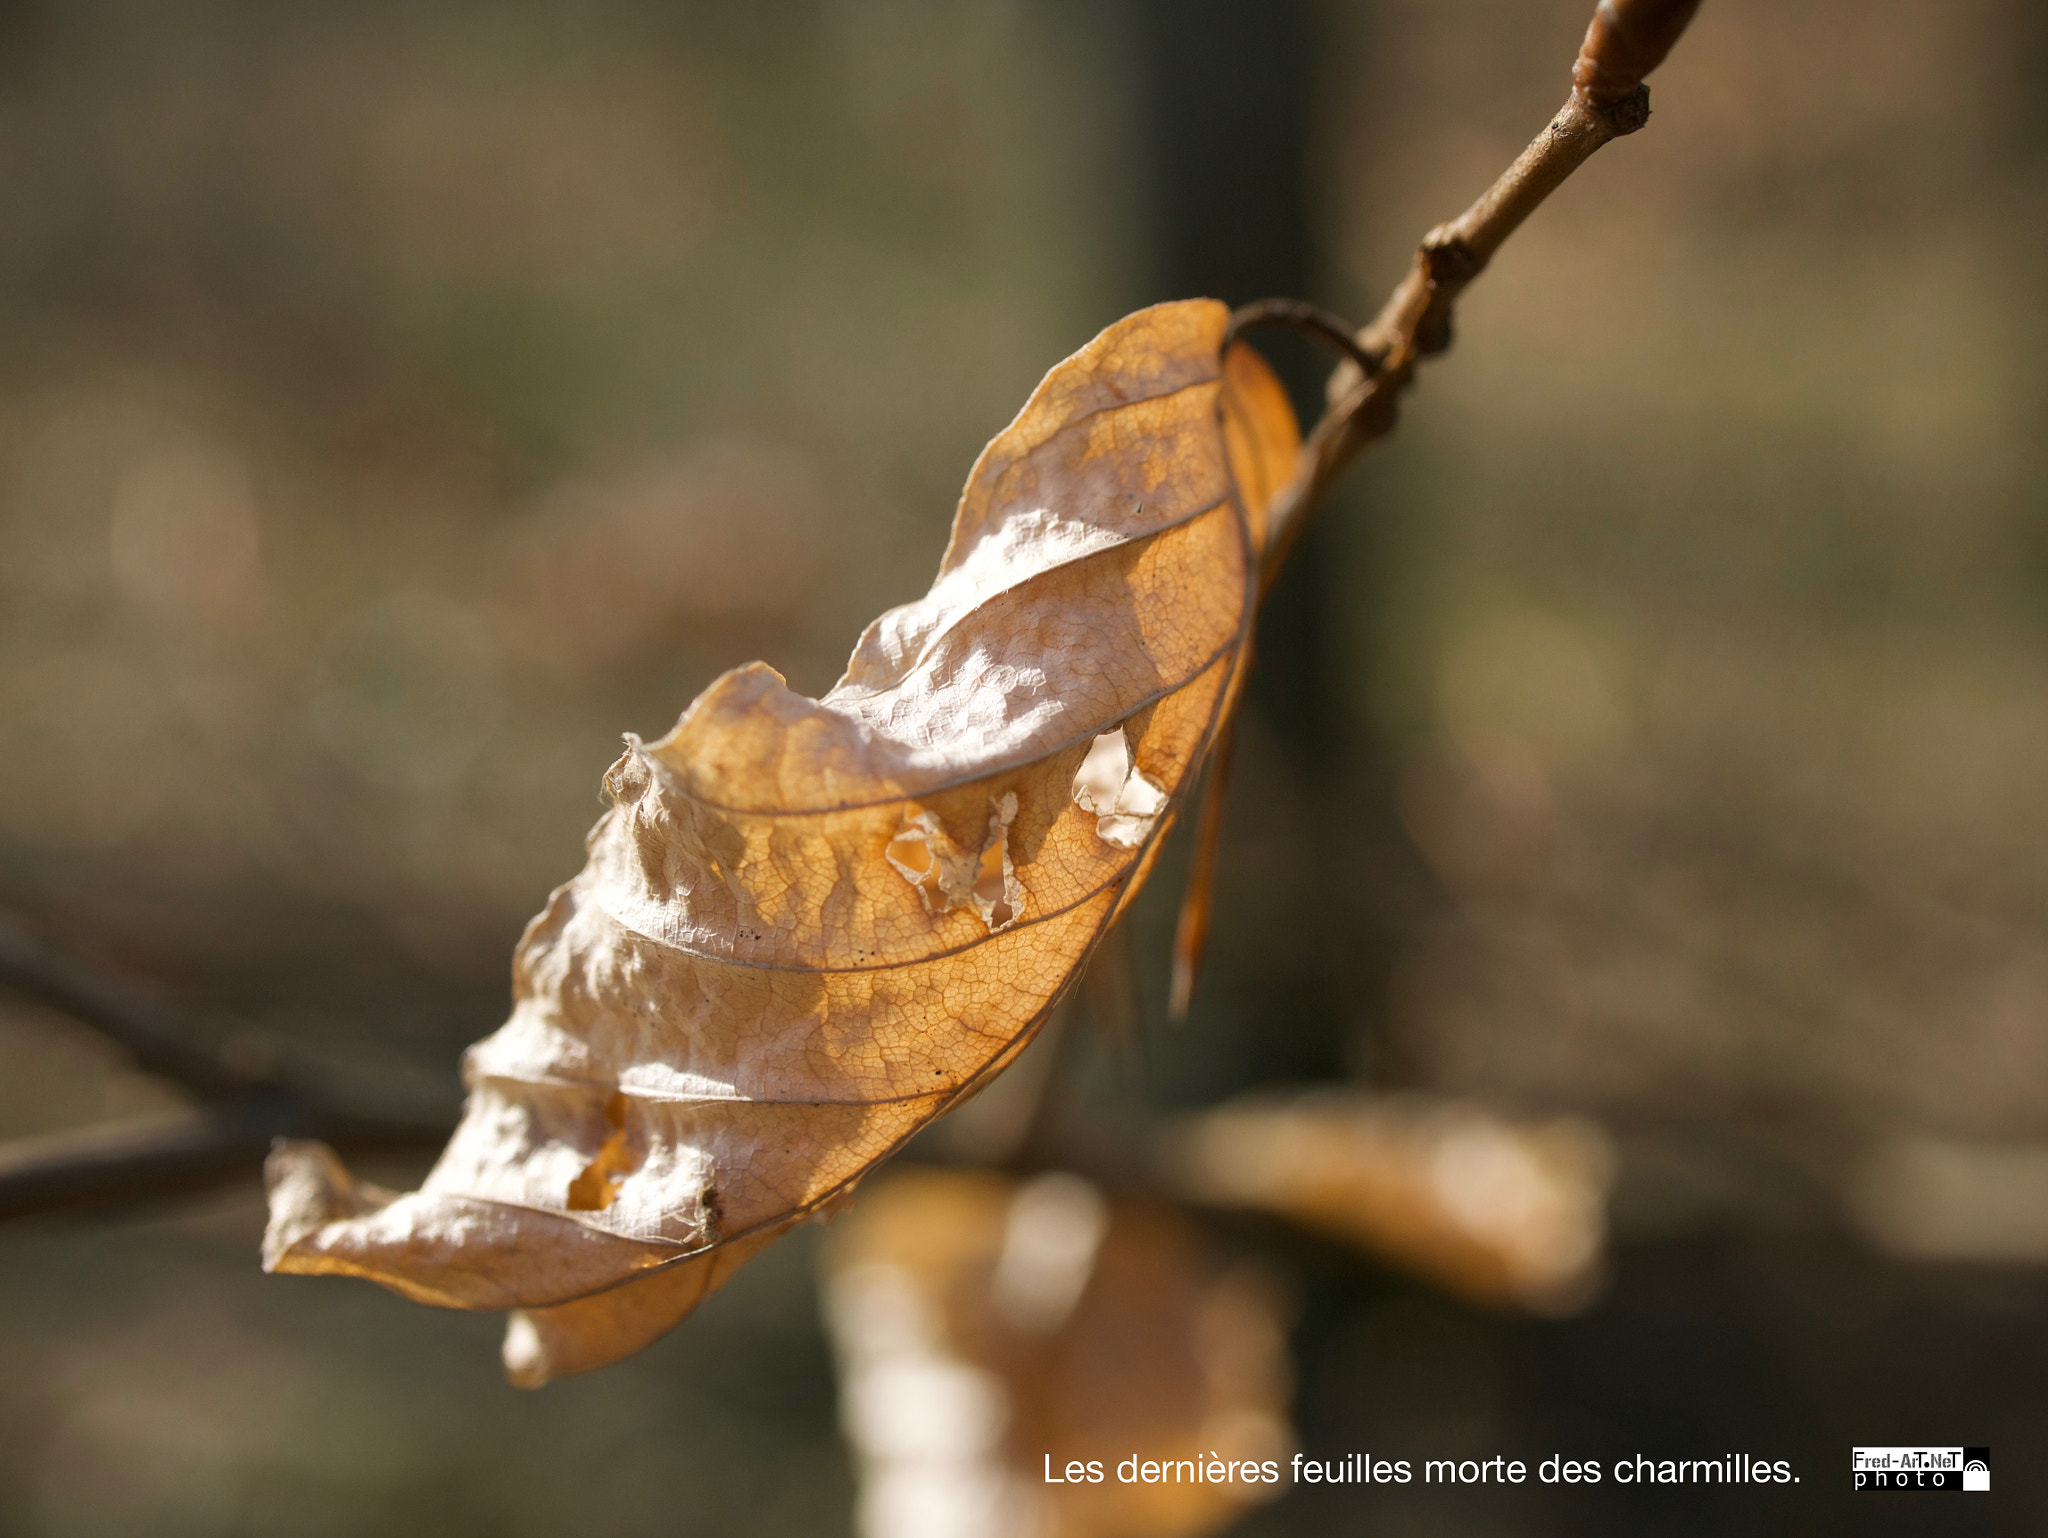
(400,402)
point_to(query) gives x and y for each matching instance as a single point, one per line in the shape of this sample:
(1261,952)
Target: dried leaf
(1497,1212)
(807,927)
(989,1330)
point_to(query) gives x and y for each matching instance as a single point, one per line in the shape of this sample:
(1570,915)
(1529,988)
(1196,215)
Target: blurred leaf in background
(990,1330)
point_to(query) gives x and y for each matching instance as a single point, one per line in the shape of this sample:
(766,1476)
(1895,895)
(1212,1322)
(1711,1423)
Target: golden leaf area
(808,927)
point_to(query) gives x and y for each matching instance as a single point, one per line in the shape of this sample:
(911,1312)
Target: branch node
(1449,261)
(1623,115)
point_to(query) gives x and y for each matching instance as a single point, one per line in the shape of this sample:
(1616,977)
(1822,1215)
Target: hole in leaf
(911,853)
(948,877)
(989,888)
(917,855)
(1108,784)
(997,891)
(595,1188)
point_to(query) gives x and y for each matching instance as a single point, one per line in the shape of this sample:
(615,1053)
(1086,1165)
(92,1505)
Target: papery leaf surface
(807,927)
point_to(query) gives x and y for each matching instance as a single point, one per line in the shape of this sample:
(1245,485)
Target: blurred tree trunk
(1226,93)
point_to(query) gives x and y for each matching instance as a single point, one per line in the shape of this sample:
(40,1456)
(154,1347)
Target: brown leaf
(989,1331)
(807,927)
(1498,1212)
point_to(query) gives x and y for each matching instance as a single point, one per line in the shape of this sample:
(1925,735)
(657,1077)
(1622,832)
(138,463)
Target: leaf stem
(1300,315)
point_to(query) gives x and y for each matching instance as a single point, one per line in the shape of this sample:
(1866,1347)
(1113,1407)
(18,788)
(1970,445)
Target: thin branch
(248,1090)
(1627,39)
(208,1056)
(217,1145)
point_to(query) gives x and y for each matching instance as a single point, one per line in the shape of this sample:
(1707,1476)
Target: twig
(207,1056)
(130,1163)
(1627,39)
(249,1094)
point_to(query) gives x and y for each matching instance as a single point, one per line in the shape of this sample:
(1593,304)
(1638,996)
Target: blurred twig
(250,1094)
(248,1091)
(204,1054)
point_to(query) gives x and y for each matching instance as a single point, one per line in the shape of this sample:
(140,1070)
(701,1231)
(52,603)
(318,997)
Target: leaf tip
(308,1187)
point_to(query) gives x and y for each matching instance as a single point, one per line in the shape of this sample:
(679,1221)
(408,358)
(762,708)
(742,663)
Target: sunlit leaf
(807,927)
